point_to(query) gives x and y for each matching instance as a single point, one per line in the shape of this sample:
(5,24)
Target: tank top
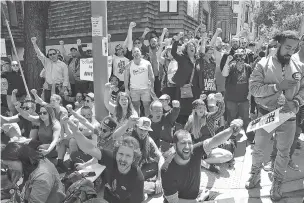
(45,133)
(139,76)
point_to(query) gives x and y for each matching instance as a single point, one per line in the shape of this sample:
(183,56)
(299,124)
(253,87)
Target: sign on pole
(3,48)
(86,69)
(96,26)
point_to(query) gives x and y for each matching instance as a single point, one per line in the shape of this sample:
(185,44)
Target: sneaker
(268,166)
(293,166)
(215,169)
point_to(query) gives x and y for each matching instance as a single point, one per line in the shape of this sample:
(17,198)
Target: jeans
(292,149)
(240,109)
(284,135)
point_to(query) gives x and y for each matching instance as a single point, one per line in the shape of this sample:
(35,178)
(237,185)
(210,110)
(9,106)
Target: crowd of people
(175,106)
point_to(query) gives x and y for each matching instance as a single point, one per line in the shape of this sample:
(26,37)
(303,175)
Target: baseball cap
(211,101)
(109,122)
(144,123)
(164,97)
(91,95)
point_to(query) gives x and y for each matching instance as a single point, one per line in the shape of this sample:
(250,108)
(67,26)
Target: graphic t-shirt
(119,66)
(184,179)
(237,83)
(208,70)
(121,188)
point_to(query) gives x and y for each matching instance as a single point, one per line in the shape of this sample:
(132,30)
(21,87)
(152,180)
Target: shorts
(140,95)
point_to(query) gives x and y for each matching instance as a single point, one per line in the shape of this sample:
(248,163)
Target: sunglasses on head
(42,113)
(53,54)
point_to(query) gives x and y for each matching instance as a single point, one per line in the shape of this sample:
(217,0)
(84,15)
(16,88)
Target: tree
(35,25)
(279,15)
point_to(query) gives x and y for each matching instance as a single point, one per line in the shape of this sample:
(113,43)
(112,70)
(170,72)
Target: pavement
(230,183)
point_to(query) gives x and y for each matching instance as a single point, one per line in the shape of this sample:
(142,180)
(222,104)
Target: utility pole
(100,60)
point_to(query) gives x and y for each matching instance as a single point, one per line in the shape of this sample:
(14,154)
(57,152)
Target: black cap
(109,122)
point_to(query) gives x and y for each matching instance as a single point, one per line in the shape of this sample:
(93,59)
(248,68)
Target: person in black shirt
(124,180)
(181,173)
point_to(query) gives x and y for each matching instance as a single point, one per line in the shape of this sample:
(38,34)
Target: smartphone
(90,174)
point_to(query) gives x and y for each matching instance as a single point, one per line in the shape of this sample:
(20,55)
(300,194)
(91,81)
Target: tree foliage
(273,16)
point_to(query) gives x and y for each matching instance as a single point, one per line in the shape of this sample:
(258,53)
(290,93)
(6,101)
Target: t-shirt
(139,75)
(121,188)
(119,66)
(237,83)
(184,179)
(208,71)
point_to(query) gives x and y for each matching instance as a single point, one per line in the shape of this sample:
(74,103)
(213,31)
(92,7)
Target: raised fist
(108,85)
(236,124)
(34,91)
(17,105)
(34,39)
(132,120)
(165,30)
(175,104)
(219,97)
(14,91)
(78,42)
(69,107)
(61,42)
(146,30)
(132,25)
(230,58)
(218,30)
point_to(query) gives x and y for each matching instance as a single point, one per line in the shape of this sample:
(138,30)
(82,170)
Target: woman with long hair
(122,109)
(49,130)
(186,76)
(42,181)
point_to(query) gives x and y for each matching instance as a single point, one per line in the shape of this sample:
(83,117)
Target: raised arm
(123,129)
(14,98)
(129,37)
(151,76)
(81,119)
(174,53)
(107,99)
(12,119)
(227,67)
(174,112)
(63,51)
(38,99)
(40,55)
(86,145)
(25,114)
(213,40)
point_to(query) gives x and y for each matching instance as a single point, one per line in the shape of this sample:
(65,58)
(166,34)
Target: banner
(266,120)
(86,69)
(3,48)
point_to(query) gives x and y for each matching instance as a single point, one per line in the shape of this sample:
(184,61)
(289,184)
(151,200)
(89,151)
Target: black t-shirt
(184,179)
(121,188)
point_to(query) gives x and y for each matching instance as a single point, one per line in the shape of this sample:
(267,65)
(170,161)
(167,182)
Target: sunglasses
(52,54)
(103,130)
(14,64)
(272,46)
(26,108)
(42,113)
(137,42)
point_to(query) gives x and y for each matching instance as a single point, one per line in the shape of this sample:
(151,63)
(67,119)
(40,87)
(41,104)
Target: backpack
(79,188)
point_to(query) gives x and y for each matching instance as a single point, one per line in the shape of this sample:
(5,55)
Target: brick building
(71,20)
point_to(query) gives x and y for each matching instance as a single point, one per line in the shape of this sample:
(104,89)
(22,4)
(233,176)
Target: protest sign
(266,120)
(283,117)
(86,69)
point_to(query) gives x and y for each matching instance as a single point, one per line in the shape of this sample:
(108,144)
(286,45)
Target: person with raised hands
(48,132)
(124,179)
(56,71)
(181,173)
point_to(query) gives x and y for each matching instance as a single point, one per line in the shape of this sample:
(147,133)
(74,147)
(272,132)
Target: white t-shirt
(119,66)
(139,75)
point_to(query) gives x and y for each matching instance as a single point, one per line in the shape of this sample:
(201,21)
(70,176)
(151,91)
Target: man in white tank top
(139,81)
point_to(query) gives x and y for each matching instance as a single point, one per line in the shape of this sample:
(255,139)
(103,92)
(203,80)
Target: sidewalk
(232,181)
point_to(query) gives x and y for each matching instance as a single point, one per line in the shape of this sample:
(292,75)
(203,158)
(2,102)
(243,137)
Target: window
(193,9)
(205,19)
(10,12)
(234,26)
(223,3)
(168,6)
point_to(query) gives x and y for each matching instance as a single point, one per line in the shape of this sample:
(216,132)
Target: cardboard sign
(86,69)
(96,26)
(3,48)
(283,117)
(266,120)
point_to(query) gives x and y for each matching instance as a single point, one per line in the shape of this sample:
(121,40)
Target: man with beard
(124,180)
(139,81)
(182,171)
(237,74)
(275,77)
(235,44)
(152,159)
